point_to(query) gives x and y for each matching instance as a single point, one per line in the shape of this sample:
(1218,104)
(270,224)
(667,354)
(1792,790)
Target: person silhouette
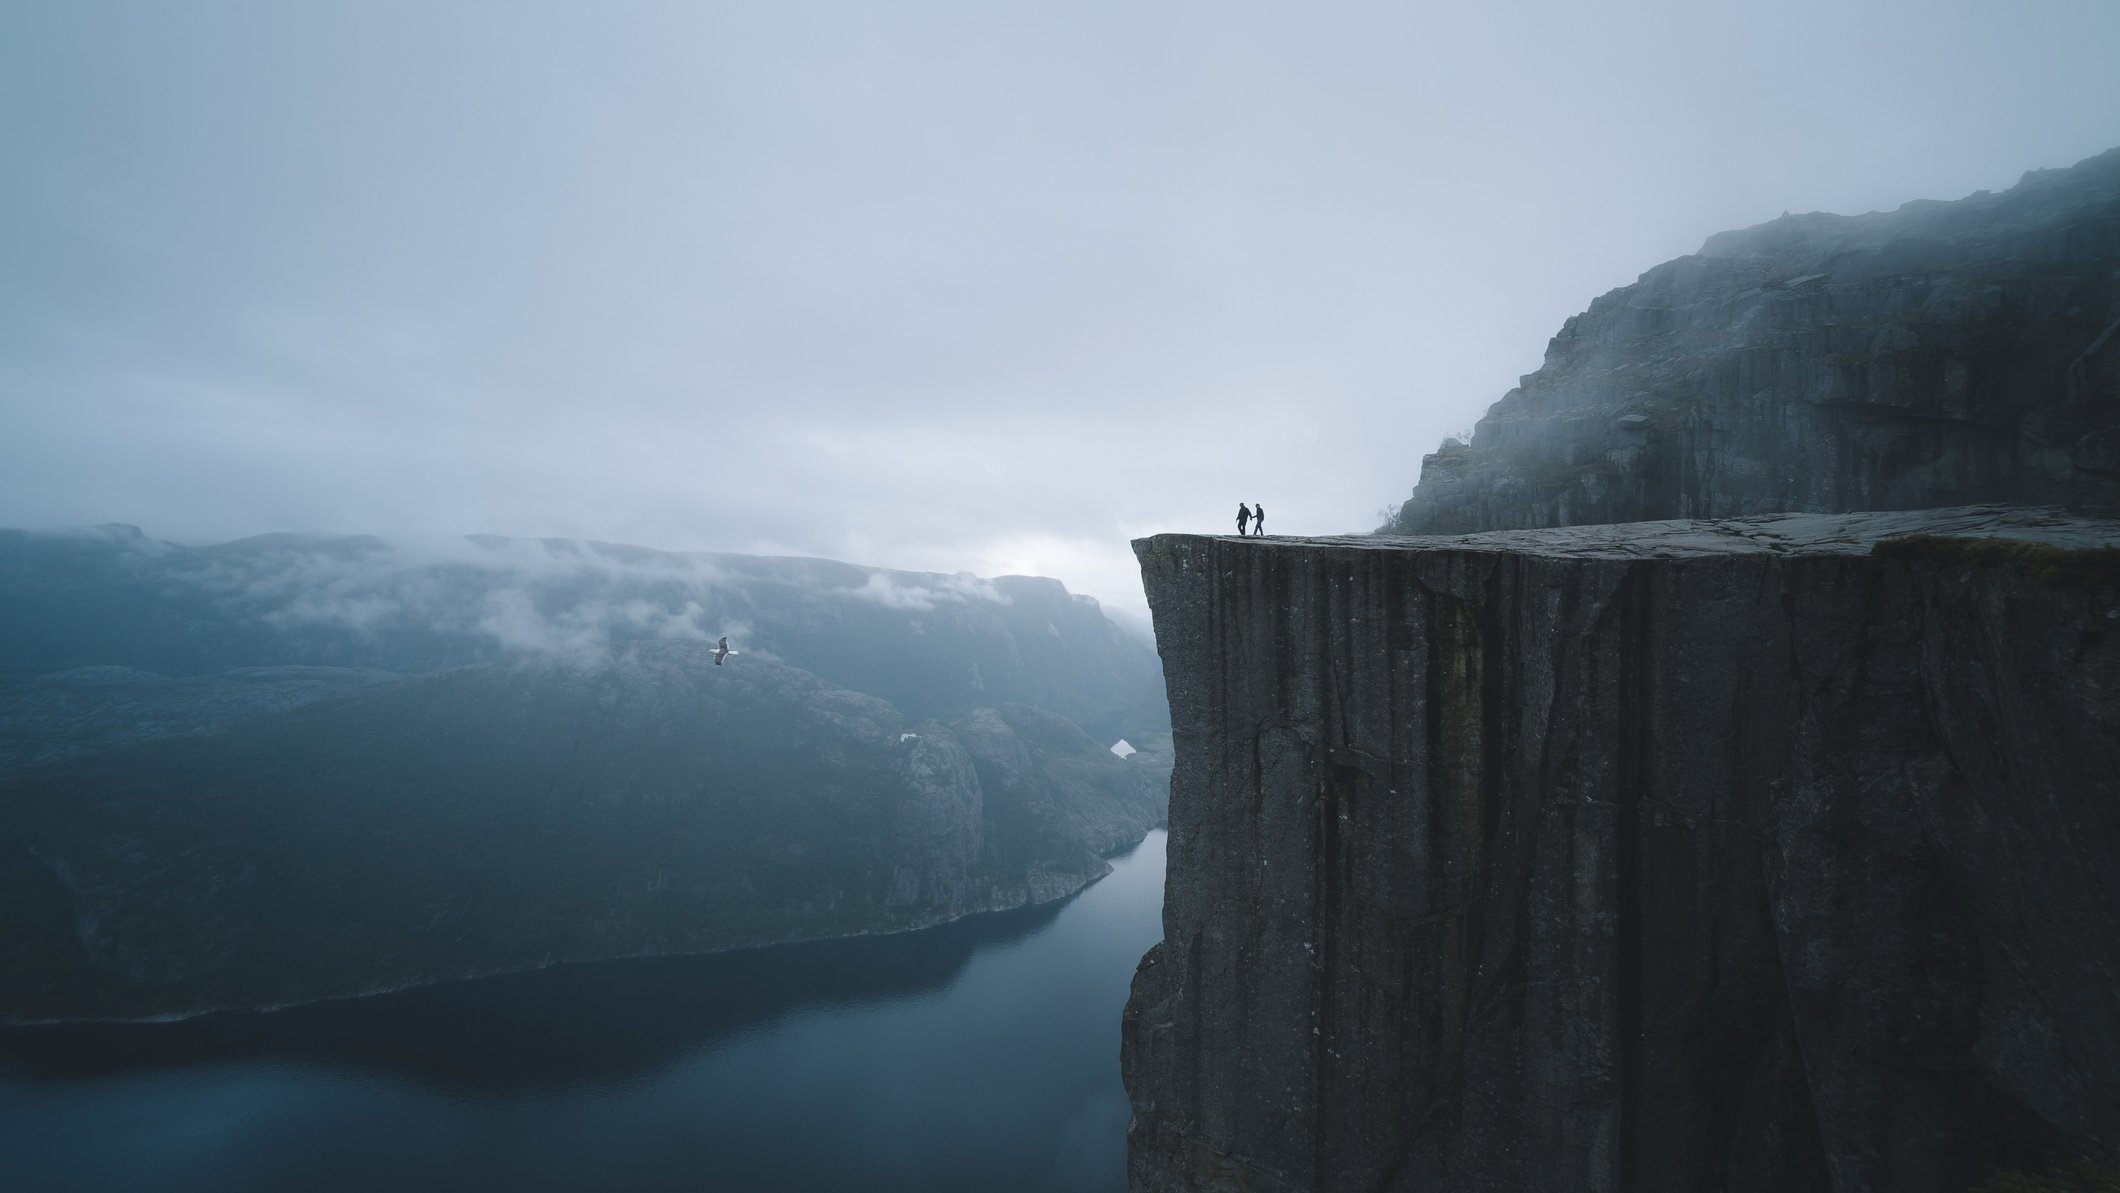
(1258,519)
(1243,517)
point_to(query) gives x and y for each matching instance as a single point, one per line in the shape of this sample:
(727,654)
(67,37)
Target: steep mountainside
(1940,354)
(291,768)
(516,814)
(1769,854)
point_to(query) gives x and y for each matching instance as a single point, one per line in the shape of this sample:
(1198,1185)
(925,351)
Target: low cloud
(554,597)
(882,589)
(544,596)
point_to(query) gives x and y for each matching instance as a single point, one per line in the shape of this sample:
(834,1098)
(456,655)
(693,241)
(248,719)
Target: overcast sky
(955,286)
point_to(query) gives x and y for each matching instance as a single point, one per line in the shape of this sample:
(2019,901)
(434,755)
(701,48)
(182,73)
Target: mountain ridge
(1945,353)
(508,753)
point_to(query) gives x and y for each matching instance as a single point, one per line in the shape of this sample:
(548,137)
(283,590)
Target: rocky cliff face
(1673,856)
(1941,354)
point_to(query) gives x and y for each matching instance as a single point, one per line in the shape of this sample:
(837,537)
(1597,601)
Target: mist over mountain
(1640,833)
(936,645)
(1943,353)
(291,768)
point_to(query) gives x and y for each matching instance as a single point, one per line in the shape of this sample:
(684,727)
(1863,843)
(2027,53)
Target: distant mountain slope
(530,811)
(1941,354)
(53,717)
(934,645)
(294,767)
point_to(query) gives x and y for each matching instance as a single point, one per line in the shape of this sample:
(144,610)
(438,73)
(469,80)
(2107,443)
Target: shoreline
(1123,850)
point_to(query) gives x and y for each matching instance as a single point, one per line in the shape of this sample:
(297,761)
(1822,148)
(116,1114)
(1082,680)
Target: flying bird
(722,652)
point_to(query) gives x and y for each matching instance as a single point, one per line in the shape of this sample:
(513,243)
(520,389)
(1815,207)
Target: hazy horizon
(947,288)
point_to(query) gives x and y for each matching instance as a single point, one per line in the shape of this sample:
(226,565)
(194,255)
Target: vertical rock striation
(1657,857)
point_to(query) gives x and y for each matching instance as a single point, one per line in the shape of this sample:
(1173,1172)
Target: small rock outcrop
(1941,354)
(1778,853)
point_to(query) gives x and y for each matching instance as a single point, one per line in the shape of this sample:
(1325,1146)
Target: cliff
(1941,354)
(1778,853)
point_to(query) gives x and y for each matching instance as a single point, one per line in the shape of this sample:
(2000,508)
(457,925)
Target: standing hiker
(1243,517)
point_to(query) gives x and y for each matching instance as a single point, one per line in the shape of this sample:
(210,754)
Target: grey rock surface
(1691,855)
(1941,354)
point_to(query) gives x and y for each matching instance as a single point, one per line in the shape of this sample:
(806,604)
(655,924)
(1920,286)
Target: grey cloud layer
(942,285)
(556,597)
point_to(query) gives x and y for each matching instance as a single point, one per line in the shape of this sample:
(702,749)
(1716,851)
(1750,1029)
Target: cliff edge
(1769,853)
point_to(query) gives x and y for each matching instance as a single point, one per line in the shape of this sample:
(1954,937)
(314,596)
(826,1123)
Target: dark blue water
(982,1055)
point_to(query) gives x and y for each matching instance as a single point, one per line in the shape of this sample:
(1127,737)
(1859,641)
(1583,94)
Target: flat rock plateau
(1764,853)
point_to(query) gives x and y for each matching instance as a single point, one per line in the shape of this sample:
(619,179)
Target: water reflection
(977,1056)
(572,1023)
